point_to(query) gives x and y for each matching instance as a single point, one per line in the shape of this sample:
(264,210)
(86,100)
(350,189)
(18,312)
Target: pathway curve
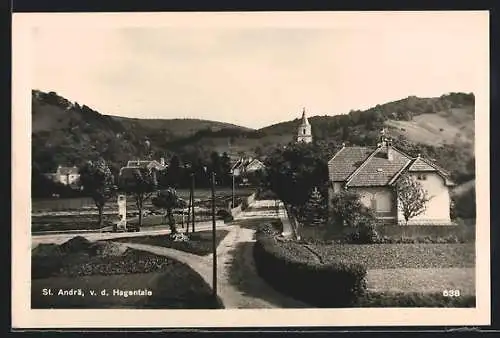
(239,286)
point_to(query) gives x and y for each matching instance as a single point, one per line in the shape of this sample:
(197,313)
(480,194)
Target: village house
(65,175)
(372,172)
(150,164)
(127,172)
(246,165)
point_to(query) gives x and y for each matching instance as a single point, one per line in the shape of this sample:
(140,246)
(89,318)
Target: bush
(294,270)
(224,215)
(274,228)
(364,233)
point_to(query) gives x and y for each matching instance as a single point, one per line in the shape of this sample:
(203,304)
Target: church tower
(304,132)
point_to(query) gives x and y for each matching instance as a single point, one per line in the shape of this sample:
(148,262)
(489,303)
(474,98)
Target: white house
(246,165)
(373,171)
(150,164)
(65,175)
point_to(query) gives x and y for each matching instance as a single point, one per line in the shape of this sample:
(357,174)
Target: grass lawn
(409,268)
(414,299)
(107,267)
(422,280)
(200,242)
(73,222)
(392,256)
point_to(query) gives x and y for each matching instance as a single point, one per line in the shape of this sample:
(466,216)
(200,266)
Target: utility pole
(214,247)
(192,200)
(232,174)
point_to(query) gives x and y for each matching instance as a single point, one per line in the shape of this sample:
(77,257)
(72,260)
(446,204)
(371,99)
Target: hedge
(294,270)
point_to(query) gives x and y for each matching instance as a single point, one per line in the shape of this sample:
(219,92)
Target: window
(304,131)
(421,177)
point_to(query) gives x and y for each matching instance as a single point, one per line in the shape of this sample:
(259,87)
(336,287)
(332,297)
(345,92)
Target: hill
(441,128)
(68,133)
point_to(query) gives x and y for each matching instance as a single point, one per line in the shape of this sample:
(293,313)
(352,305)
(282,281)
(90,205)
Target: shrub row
(294,270)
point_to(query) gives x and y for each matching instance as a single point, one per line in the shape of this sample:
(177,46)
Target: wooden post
(192,201)
(232,205)
(214,246)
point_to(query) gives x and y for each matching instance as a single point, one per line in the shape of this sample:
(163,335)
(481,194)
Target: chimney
(389,149)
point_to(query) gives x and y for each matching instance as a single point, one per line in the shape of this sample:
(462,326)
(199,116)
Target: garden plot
(80,264)
(422,268)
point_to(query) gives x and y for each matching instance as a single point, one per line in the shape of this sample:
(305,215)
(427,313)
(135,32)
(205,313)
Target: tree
(98,181)
(226,168)
(292,172)
(347,210)
(412,197)
(172,176)
(314,209)
(168,200)
(141,183)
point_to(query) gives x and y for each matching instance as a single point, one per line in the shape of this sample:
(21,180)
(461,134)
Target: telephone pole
(214,246)
(192,201)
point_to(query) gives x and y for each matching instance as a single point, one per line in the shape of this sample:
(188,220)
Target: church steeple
(304,131)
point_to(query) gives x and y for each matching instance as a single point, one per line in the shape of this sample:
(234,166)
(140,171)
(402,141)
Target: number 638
(451,293)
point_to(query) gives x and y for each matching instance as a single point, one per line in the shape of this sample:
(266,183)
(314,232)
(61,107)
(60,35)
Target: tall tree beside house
(169,200)
(314,211)
(347,211)
(141,184)
(98,181)
(292,172)
(412,197)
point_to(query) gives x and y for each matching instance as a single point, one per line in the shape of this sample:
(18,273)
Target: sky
(256,72)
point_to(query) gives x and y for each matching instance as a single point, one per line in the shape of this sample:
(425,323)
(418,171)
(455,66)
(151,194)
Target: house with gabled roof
(372,172)
(128,172)
(246,165)
(65,175)
(150,164)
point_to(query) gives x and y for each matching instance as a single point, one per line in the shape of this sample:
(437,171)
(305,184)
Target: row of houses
(70,175)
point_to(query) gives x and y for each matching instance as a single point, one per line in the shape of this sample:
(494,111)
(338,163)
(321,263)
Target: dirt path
(238,284)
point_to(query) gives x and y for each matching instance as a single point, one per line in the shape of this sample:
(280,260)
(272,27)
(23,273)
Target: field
(420,268)
(79,264)
(451,127)
(81,213)
(86,203)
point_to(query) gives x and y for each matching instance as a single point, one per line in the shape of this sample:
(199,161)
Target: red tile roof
(368,166)
(377,170)
(420,165)
(346,161)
